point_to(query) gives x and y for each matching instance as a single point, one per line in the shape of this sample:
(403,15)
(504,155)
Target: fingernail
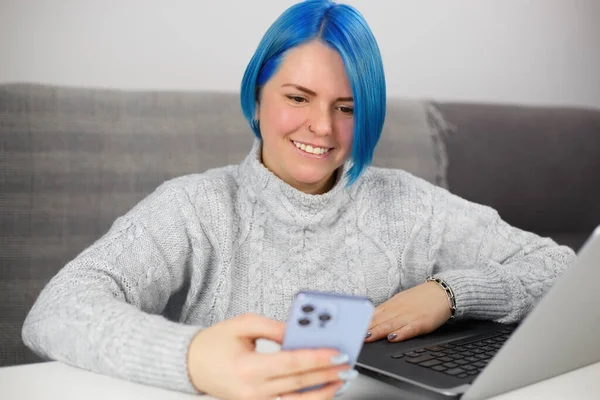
(340,359)
(343,389)
(348,374)
(392,336)
(368,335)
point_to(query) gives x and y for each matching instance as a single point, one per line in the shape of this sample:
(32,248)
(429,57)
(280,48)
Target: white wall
(524,51)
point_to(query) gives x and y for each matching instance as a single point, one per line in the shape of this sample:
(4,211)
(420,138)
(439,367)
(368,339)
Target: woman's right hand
(222,362)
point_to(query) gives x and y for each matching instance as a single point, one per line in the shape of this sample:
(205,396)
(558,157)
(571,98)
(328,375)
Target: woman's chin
(313,182)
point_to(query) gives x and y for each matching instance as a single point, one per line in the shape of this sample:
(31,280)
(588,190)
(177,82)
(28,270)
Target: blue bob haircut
(345,30)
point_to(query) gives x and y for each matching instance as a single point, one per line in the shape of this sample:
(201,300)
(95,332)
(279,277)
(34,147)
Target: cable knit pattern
(237,239)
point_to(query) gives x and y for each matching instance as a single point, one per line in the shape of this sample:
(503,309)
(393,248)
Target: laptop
(479,359)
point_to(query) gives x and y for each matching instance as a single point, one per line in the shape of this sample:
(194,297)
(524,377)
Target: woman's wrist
(449,293)
(194,351)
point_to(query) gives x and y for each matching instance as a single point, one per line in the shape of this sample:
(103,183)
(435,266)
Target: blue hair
(344,29)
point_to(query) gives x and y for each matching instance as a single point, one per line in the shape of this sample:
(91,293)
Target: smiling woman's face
(306,118)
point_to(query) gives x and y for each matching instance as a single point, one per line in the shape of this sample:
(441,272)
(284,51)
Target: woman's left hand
(413,312)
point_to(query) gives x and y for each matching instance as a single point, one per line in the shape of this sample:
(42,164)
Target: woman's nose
(320,123)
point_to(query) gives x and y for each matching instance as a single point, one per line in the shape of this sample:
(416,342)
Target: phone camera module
(304,321)
(324,317)
(308,308)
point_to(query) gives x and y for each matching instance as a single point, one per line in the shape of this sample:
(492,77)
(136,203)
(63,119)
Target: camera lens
(324,317)
(304,321)
(308,308)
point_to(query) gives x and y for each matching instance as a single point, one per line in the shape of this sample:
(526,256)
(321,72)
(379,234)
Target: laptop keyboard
(460,358)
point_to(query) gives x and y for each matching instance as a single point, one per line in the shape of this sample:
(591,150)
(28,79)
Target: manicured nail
(368,335)
(340,359)
(392,336)
(343,389)
(348,374)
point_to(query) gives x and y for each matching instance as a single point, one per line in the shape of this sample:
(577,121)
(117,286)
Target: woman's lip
(309,155)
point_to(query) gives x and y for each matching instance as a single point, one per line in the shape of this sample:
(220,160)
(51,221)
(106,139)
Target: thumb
(253,326)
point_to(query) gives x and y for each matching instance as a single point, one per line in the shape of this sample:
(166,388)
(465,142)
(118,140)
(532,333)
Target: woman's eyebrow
(312,93)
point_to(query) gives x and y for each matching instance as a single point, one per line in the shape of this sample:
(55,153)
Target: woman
(303,210)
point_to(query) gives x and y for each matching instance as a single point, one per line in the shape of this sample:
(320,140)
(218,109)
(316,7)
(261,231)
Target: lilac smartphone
(323,320)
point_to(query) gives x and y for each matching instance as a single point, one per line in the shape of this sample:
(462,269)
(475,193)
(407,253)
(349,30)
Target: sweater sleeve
(101,311)
(496,271)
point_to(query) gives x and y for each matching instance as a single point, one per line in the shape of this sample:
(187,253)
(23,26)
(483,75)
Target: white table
(53,380)
(59,381)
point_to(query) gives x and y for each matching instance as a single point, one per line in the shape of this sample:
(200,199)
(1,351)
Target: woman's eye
(346,110)
(297,99)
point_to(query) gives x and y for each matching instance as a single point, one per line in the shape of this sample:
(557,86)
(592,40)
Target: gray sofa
(73,159)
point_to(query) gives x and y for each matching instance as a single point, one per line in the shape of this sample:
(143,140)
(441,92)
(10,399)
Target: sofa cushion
(412,140)
(538,166)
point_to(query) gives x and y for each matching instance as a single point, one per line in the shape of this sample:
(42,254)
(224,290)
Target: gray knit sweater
(238,239)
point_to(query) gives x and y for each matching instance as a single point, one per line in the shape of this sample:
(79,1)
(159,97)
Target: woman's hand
(413,312)
(222,362)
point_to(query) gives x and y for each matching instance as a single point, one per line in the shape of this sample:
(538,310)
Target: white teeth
(312,150)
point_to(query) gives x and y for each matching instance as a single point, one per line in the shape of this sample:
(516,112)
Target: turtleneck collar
(288,204)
